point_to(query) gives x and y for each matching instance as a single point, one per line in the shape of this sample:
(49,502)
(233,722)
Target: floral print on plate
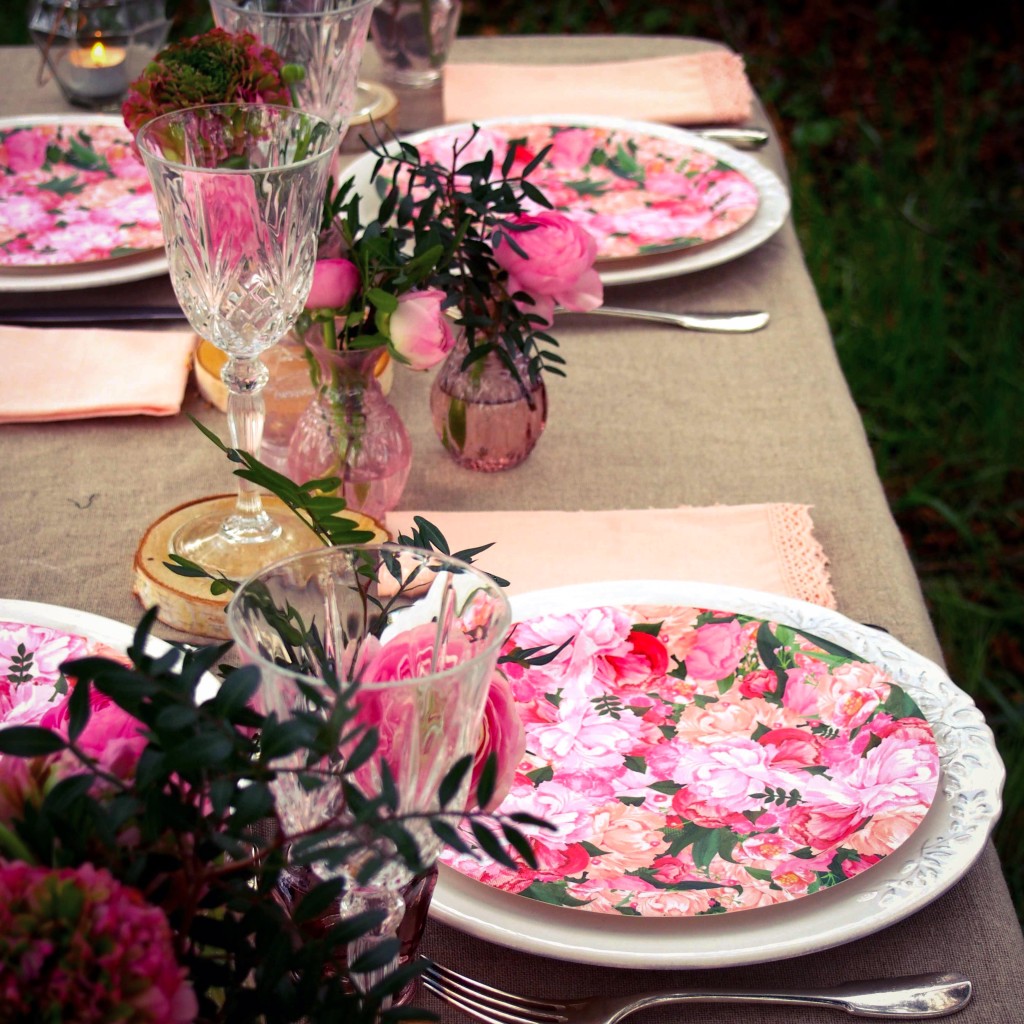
(31,682)
(700,762)
(636,194)
(72,194)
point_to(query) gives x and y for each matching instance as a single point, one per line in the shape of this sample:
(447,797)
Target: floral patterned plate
(712,762)
(702,762)
(636,194)
(35,639)
(73,193)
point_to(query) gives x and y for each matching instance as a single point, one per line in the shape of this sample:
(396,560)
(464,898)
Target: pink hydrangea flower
(76,945)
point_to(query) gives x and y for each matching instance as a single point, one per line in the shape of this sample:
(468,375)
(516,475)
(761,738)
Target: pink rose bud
(559,268)
(502,734)
(421,335)
(334,283)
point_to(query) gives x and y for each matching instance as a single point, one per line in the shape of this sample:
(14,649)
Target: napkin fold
(767,547)
(697,88)
(50,374)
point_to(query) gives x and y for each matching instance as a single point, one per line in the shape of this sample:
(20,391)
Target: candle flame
(98,53)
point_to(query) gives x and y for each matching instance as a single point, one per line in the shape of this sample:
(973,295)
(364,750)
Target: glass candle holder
(95,49)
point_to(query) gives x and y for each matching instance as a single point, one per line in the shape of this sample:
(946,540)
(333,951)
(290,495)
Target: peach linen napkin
(51,374)
(767,547)
(696,88)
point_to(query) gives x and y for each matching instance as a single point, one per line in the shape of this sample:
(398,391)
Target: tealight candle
(97,72)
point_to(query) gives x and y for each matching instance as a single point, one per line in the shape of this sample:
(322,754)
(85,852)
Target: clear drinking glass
(326,37)
(413,38)
(420,633)
(240,188)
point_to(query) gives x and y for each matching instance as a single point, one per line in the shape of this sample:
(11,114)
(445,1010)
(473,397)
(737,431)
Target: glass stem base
(237,545)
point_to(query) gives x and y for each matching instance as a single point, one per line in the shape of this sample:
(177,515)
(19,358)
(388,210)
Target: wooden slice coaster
(184,603)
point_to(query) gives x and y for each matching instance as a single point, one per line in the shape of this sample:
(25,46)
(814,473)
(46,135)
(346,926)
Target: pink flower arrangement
(78,946)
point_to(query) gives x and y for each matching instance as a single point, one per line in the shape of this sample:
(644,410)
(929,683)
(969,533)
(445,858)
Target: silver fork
(918,996)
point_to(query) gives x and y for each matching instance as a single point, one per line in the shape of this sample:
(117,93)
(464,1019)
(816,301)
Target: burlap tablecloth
(647,417)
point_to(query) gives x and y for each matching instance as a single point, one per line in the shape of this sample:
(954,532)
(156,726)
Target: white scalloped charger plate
(942,849)
(772,210)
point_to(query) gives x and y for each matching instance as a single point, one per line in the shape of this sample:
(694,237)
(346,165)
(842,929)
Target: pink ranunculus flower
(720,647)
(559,264)
(421,335)
(335,282)
(501,734)
(76,944)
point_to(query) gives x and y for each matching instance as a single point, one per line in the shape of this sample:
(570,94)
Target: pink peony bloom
(26,150)
(421,334)
(76,945)
(502,734)
(720,647)
(335,282)
(757,684)
(111,736)
(791,749)
(647,660)
(559,264)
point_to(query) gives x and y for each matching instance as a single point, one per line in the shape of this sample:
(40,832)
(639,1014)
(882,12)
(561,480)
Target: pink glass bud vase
(352,431)
(485,417)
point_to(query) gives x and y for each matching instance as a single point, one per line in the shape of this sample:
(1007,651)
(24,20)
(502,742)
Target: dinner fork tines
(918,996)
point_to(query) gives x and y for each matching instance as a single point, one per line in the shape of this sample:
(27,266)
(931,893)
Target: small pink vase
(485,417)
(350,430)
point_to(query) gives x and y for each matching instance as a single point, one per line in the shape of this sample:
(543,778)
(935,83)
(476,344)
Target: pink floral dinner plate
(73,193)
(698,762)
(637,194)
(36,639)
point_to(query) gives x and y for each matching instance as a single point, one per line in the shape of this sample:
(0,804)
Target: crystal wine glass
(240,189)
(420,633)
(325,37)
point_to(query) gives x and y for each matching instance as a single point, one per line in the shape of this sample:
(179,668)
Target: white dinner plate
(771,214)
(62,277)
(946,844)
